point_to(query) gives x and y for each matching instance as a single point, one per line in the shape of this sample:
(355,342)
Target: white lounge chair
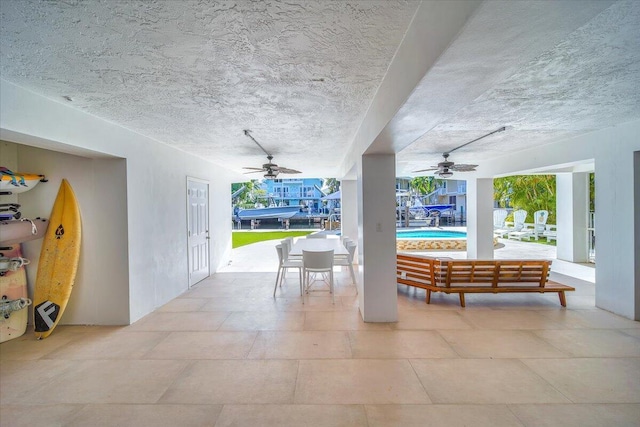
(499,216)
(550,232)
(519,217)
(534,230)
(539,223)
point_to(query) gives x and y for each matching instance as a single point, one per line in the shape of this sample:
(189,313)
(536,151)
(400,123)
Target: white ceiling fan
(445,169)
(271,169)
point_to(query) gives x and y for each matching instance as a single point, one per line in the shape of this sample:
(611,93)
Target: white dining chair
(318,262)
(286,249)
(316,236)
(347,260)
(284,265)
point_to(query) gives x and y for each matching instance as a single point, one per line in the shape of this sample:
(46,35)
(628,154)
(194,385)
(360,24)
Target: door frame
(188,206)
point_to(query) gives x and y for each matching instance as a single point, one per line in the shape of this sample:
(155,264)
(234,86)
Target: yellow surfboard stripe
(58,262)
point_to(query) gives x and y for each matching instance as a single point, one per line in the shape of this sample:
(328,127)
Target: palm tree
(251,193)
(331,184)
(423,184)
(528,192)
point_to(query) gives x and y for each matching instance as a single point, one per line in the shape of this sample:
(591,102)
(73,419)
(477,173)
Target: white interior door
(198,229)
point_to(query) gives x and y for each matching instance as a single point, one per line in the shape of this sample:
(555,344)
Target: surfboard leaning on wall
(58,262)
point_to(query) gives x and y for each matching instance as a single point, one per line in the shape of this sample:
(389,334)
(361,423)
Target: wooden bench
(475,276)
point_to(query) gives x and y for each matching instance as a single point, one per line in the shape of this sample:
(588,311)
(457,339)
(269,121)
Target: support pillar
(480,218)
(617,228)
(349,208)
(378,295)
(572,214)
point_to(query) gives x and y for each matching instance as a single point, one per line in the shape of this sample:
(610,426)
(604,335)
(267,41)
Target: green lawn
(241,238)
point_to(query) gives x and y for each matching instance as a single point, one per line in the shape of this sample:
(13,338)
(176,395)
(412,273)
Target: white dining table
(318,245)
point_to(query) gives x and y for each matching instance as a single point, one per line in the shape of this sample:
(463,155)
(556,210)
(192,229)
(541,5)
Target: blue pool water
(431,234)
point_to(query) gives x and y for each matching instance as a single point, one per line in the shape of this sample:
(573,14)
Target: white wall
(155,192)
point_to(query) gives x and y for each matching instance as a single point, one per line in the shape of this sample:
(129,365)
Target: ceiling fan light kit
(446,168)
(271,169)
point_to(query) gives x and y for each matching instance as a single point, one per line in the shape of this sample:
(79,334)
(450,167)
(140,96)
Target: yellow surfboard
(58,262)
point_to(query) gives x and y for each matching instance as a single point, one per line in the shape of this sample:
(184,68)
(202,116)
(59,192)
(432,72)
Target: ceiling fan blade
(287,170)
(255,169)
(463,168)
(432,168)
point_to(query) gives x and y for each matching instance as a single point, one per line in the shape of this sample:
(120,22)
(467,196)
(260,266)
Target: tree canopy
(331,185)
(423,184)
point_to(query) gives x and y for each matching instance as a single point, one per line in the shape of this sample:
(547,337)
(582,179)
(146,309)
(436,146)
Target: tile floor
(226,353)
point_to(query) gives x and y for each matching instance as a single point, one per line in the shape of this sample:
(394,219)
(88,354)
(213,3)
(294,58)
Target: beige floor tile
(340,321)
(631,332)
(27,347)
(183,305)
(314,302)
(440,415)
(349,302)
(592,318)
(264,321)
(593,342)
(301,345)
(118,344)
(399,345)
(235,382)
(580,302)
(19,379)
(204,345)
(289,289)
(358,382)
(37,415)
(425,320)
(146,415)
(111,381)
(578,415)
(292,416)
(509,319)
(191,321)
(475,344)
(226,290)
(240,303)
(592,380)
(483,381)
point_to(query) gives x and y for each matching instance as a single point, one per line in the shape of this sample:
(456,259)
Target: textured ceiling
(194,74)
(302,74)
(553,83)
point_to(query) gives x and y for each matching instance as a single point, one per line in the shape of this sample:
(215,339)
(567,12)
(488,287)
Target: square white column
(349,208)
(617,230)
(572,215)
(480,218)
(378,297)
